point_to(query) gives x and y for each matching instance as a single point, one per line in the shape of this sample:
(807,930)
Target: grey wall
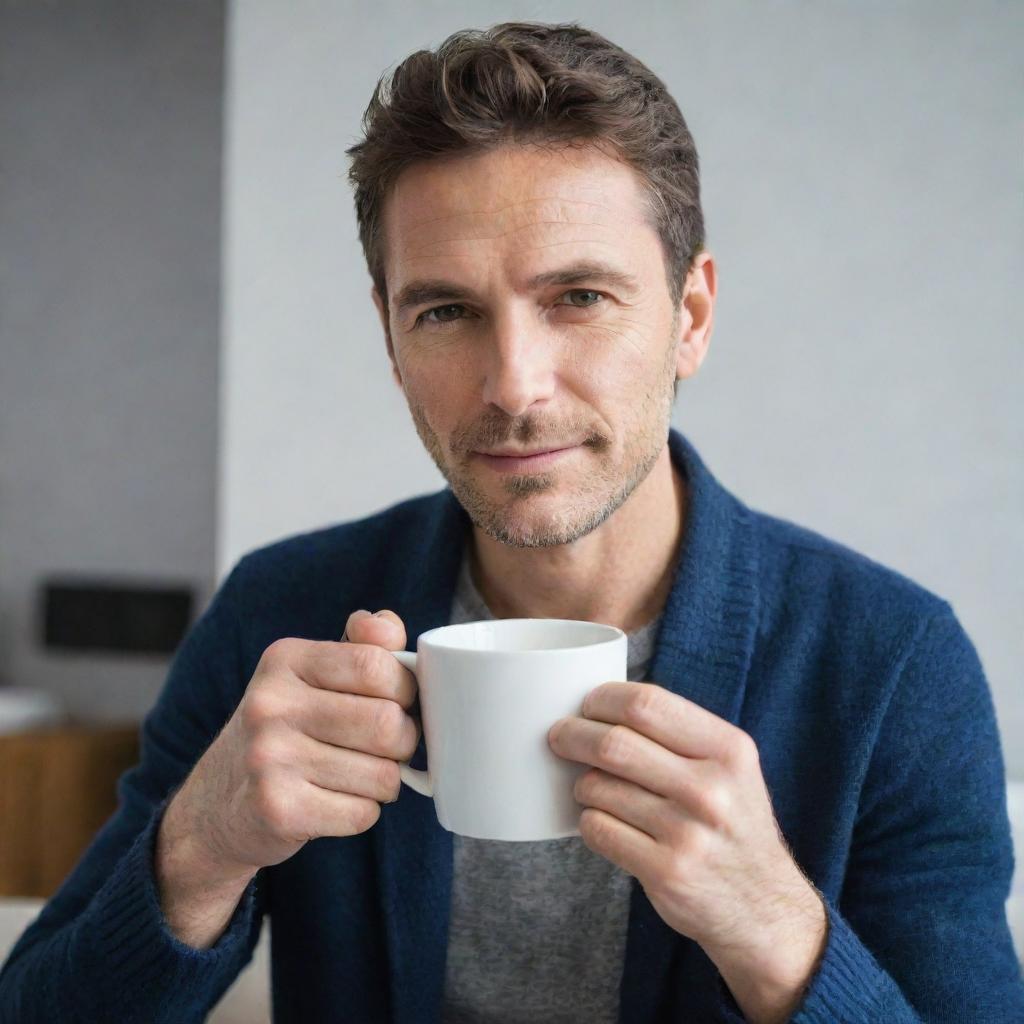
(110,125)
(862,181)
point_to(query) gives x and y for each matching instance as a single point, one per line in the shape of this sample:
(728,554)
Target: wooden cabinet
(57,787)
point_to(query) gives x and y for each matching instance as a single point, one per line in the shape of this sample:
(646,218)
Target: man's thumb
(385,629)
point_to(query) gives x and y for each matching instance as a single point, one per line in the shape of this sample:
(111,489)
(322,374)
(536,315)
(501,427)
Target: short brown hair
(530,82)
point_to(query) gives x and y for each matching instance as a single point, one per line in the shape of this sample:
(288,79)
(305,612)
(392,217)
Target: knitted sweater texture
(867,700)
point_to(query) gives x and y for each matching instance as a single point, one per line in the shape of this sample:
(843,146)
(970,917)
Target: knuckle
(364,815)
(614,747)
(272,807)
(714,802)
(260,708)
(366,661)
(411,738)
(389,779)
(644,705)
(586,786)
(388,723)
(596,826)
(280,652)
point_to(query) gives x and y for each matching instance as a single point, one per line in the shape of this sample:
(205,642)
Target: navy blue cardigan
(866,698)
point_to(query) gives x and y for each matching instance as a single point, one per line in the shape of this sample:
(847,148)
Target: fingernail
(380,614)
(360,613)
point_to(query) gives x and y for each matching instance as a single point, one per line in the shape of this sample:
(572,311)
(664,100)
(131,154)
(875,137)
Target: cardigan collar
(702,651)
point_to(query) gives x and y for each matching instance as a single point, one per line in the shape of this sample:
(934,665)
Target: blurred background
(191,367)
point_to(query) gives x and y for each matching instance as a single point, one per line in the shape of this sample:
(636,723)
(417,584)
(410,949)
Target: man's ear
(382,312)
(696,315)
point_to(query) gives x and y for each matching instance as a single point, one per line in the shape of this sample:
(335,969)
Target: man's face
(528,310)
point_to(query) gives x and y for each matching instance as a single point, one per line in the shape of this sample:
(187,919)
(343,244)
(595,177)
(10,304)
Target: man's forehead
(463,219)
(559,204)
(498,193)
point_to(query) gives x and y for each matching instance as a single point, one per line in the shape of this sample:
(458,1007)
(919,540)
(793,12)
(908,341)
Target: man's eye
(440,310)
(440,314)
(584,291)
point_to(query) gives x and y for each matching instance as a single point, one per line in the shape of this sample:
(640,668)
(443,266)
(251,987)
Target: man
(795,805)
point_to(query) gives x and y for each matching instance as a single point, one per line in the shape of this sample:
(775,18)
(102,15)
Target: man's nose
(520,366)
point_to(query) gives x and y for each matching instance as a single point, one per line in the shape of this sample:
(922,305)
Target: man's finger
(385,629)
(671,720)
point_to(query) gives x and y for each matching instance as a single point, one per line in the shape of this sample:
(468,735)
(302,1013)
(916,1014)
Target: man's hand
(676,798)
(311,750)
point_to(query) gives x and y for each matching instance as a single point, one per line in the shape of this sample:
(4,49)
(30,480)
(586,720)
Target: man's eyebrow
(415,293)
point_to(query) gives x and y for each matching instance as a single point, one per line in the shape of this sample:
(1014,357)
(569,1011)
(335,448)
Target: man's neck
(620,573)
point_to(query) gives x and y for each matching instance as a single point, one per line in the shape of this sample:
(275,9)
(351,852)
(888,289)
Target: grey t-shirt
(537,929)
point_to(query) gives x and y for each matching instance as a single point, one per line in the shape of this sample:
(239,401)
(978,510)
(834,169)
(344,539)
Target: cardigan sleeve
(100,949)
(920,933)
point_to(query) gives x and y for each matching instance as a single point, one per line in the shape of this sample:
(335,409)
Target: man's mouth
(525,462)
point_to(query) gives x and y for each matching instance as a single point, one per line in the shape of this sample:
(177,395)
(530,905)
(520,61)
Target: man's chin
(523,539)
(520,526)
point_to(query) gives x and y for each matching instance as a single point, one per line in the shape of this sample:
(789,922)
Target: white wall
(861,175)
(110,144)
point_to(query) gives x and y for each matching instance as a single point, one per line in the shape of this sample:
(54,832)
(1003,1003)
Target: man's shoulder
(845,623)
(800,564)
(377,539)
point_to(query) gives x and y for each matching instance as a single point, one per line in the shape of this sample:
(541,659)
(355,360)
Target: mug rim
(614,635)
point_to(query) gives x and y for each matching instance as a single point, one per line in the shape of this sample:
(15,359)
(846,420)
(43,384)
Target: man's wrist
(768,981)
(196,894)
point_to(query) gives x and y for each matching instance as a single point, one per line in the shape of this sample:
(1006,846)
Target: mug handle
(413,777)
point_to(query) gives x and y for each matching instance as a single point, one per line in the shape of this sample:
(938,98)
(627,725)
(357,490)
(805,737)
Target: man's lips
(525,463)
(512,453)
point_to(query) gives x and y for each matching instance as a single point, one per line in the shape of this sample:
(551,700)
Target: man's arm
(102,949)
(920,933)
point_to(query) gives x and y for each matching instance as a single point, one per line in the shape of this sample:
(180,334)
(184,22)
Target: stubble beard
(606,488)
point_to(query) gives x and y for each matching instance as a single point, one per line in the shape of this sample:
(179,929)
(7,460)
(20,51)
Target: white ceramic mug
(489,693)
